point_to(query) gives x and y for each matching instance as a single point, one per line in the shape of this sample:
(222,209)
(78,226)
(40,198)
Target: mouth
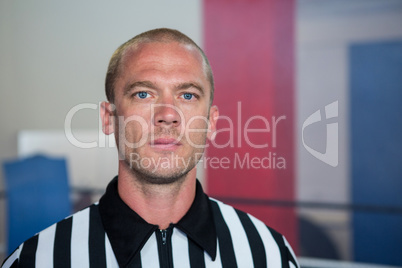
(165,144)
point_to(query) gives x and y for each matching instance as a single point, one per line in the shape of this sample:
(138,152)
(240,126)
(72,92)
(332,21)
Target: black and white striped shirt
(110,234)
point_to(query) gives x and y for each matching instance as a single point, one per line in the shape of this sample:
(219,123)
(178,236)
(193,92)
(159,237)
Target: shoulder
(57,238)
(248,233)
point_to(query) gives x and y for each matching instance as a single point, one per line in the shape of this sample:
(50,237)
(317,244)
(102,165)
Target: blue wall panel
(376,149)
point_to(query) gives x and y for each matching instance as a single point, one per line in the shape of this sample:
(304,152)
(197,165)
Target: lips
(168,144)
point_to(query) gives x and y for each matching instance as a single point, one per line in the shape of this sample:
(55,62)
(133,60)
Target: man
(154,213)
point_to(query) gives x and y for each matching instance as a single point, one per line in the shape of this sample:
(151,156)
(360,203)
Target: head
(162,35)
(160,88)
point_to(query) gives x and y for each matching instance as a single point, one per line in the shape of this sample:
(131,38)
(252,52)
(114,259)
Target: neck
(158,204)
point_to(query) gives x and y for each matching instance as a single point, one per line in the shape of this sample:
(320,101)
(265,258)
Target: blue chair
(37,192)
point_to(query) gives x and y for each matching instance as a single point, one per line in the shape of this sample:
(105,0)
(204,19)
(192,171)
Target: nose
(166,114)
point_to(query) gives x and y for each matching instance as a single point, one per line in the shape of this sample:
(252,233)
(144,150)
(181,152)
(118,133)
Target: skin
(162,114)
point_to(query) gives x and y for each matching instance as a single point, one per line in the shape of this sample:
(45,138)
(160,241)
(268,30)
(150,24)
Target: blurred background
(326,75)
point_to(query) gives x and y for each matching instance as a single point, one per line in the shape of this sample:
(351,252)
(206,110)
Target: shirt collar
(128,232)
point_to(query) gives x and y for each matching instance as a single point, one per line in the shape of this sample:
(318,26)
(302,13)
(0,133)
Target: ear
(213,118)
(107,116)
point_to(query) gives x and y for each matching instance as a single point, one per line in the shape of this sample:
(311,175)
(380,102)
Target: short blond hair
(156,35)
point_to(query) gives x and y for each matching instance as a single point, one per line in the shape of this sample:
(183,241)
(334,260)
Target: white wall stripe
(44,251)
(271,248)
(111,261)
(79,239)
(180,251)
(213,264)
(149,253)
(241,245)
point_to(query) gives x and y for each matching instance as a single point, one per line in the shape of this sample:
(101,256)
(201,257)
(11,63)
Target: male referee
(160,88)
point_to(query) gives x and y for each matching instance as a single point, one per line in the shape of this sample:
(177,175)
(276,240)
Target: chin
(160,177)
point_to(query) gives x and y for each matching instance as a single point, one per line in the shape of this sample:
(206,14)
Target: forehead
(163,54)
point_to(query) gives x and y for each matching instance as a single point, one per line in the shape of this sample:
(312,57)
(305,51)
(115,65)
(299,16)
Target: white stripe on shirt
(271,248)
(15,255)
(111,261)
(79,239)
(213,264)
(240,241)
(180,252)
(290,250)
(44,251)
(149,253)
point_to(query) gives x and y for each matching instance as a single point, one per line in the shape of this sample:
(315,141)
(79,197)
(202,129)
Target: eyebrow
(147,84)
(190,85)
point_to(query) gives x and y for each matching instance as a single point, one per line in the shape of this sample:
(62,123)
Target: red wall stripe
(250,44)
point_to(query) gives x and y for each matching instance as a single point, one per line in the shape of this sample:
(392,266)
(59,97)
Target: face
(163,116)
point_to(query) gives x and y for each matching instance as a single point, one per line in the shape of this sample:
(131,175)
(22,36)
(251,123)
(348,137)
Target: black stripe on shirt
(225,240)
(28,253)
(291,258)
(254,240)
(62,243)
(196,254)
(97,251)
(136,261)
(15,264)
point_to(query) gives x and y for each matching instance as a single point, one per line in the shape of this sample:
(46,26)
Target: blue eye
(188,96)
(142,95)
